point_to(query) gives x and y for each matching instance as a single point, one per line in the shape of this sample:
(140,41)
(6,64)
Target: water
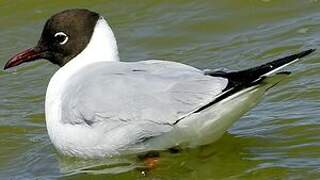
(278,139)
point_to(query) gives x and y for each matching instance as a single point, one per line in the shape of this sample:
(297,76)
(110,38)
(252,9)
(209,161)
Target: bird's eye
(61,38)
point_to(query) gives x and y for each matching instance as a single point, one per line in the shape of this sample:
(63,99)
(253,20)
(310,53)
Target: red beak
(24,56)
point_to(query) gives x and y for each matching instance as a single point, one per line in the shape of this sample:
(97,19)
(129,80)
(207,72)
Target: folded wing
(149,91)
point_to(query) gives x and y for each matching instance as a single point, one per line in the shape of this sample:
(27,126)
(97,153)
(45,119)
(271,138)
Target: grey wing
(150,94)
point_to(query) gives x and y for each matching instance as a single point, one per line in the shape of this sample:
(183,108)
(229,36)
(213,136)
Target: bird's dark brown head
(64,36)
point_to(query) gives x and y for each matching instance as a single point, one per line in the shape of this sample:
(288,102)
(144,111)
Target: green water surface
(278,139)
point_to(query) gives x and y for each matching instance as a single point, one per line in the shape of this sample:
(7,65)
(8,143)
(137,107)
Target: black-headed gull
(97,106)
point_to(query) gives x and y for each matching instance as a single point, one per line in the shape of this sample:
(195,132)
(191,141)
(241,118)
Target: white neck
(101,47)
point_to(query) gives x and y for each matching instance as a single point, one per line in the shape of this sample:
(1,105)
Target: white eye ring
(62,34)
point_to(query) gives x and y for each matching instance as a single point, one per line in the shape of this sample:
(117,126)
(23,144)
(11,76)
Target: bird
(97,106)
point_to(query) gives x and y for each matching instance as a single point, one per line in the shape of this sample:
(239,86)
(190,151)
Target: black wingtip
(259,71)
(253,74)
(305,53)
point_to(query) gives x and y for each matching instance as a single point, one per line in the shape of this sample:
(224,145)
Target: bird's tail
(256,74)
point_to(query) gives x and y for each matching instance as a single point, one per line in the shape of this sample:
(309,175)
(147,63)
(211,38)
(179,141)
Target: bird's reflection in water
(232,150)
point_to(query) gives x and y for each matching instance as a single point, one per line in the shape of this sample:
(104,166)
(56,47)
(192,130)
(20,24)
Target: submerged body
(97,106)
